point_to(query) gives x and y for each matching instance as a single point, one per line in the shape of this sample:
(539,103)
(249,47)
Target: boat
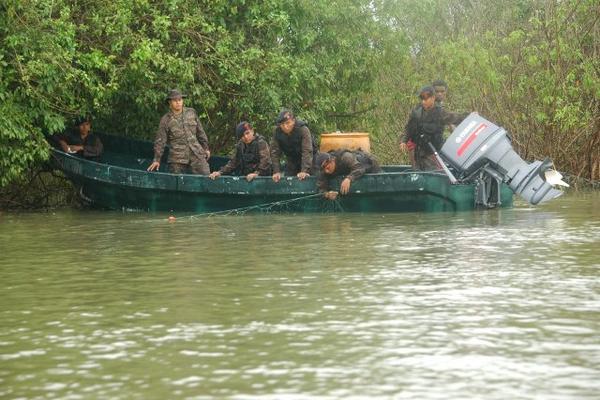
(119,181)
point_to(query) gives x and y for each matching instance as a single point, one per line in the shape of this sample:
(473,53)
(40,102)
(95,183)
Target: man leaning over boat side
(252,155)
(426,125)
(292,138)
(181,129)
(352,164)
(81,141)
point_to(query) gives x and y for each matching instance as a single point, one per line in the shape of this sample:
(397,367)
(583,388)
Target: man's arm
(350,161)
(322,182)
(452,118)
(275,155)
(93,147)
(232,164)
(200,134)
(161,139)
(264,155)
(307,150)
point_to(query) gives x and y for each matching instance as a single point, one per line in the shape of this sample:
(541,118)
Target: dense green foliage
(531,66)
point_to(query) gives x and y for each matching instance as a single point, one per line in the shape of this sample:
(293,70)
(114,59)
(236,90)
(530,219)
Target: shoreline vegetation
(349,65)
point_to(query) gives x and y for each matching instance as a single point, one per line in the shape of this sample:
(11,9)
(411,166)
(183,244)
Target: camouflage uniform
(187,141)
(349,164)
(427,126)
(299,148)
(249,158)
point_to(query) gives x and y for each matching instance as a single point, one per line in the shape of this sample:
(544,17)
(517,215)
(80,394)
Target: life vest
(430,127)
(291,145)
(248,156)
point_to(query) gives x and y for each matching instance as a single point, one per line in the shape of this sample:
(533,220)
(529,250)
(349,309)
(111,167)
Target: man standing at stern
(181,129)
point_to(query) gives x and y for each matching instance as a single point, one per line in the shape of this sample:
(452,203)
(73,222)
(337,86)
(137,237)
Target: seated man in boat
(292,138)
(80,141)
(181,129)
(252,155)
(425,126)
(352,164)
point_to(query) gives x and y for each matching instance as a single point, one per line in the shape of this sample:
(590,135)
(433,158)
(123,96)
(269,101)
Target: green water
(499,304)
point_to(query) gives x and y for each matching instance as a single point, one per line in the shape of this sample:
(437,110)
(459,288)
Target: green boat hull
(121,182)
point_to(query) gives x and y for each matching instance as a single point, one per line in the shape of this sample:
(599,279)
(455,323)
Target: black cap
(321,158)
(242,128)
(284,115)
(82,119)
(175,94)
(429,90)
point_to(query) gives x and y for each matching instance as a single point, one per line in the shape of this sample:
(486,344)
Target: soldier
(348,163)
(292,138)
(181,129)
(426,125)
(441,90)
(252,156)
(81,141)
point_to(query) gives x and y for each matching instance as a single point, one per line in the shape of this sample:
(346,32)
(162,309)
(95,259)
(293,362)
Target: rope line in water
(255,207)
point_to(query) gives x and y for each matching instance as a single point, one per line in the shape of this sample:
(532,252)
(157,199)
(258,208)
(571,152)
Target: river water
(497,304)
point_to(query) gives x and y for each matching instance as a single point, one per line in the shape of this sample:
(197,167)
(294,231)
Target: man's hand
(250,177)
(207,153)
(403,147)
(331,195)
(302,175)
(276,176)
(214,175)
(345,186)
(154,166)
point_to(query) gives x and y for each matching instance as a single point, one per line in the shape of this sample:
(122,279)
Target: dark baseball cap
(284,115)
(426,90)
(241,128)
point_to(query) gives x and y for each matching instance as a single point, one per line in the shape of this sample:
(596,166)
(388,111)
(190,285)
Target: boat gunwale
(385,182)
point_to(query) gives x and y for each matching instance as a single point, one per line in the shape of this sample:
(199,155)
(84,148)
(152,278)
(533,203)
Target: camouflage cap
(175,94)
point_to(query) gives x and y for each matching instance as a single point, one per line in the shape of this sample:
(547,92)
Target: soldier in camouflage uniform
(252,155)
(352,164)
(292,138)
(181,129)
(426,125)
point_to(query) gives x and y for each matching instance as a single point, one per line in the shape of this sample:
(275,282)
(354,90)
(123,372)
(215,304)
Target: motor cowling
(478,144)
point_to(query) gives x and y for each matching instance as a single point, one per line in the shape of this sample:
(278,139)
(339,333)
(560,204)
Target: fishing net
(309,203)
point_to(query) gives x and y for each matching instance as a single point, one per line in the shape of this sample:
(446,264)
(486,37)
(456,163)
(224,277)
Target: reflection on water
(492,304)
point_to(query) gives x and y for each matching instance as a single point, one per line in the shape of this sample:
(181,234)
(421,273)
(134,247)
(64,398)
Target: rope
(255,207)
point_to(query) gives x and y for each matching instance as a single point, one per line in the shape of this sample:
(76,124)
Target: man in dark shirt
(441,90)
(292,138)
(350,164)
(181,129)
(81,141)
(426,125)
(252,155)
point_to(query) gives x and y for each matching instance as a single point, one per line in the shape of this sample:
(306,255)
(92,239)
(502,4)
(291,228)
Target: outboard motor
(479,148)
